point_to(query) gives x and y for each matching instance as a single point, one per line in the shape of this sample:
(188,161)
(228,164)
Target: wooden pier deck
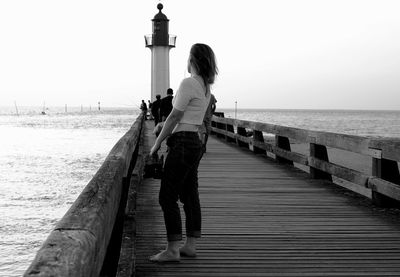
(261,218)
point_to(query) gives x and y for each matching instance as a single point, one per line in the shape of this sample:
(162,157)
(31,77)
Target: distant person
(205,128)
(143,107)
(166,105)
(155,109)
(179,179)
(149,105)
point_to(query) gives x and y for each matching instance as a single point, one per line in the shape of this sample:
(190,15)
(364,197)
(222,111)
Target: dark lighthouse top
(160,36)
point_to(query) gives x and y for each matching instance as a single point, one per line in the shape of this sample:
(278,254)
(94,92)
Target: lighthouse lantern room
(160,42)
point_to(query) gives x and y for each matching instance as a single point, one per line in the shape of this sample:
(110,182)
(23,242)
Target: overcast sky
(271,54)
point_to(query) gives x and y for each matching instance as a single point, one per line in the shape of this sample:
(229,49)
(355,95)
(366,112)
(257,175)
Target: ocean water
(46,161)
(353,122)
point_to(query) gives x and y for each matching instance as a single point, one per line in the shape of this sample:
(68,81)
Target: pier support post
(218,125)
(283,143)
(387,170)
(229,128)
(258,137)
(221,126)
(242,132)
(319,151)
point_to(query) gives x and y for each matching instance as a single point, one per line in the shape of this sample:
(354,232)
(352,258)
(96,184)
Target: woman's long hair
(203,60)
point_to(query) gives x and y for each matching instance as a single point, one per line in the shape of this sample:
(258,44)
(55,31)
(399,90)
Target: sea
(47,159)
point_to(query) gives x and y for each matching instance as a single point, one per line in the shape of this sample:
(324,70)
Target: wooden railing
(383,180)
(87,240)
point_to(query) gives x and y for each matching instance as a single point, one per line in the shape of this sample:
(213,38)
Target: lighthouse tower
(160,42)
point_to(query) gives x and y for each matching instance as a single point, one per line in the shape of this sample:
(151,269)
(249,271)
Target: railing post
(387,170)
(229,128)
(284,143)
(242,132)
(218,125)
(258,137)
(213,124)
(319,151)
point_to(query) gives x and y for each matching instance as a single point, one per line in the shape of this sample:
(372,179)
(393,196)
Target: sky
(271,54)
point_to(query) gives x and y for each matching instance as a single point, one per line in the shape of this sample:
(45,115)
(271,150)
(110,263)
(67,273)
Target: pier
(268,209)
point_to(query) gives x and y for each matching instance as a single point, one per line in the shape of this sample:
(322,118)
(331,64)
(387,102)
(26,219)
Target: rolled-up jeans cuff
(174,237)
(194,234)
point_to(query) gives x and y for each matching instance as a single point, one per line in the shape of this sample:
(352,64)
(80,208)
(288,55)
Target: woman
(179,179)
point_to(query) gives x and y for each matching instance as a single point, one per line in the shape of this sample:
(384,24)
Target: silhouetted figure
(149,107)
(155,109)
(143,107)
(166,105)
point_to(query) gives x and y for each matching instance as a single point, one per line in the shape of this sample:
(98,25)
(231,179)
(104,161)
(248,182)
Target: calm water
(46,160)
(362,123)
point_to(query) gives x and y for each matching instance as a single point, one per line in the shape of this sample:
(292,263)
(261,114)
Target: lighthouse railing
(172,41)
(148,40)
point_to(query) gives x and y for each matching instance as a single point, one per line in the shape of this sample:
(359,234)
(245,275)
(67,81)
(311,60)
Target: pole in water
(99,105)
(44,108)
(16,108)
(235,109)
(65,107)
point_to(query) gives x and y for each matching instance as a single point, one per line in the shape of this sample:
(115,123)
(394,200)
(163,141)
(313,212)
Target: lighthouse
(160,42)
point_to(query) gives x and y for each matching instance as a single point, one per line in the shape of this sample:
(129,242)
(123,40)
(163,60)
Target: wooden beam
(290,156)
(384,187)
(345,173)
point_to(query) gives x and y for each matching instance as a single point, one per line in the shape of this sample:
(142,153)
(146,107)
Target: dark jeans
(179,181)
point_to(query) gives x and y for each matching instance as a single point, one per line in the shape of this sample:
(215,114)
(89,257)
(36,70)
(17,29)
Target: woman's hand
(154,149)
(173,119)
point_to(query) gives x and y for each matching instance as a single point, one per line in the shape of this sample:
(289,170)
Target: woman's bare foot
(165,257)
(189,248)
(170,254)
(187,251)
